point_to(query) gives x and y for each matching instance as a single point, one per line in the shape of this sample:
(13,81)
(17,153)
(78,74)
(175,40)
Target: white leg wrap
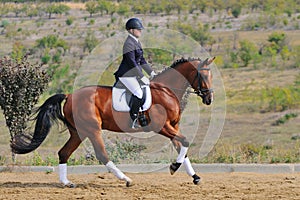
(113,169)
(183,151)
(62,170)
(188,167)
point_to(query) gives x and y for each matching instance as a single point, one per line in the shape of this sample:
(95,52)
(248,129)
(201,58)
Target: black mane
(179,61)
(183,60)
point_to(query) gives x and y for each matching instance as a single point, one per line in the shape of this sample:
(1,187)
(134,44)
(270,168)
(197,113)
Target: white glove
(152,74)
(145,80)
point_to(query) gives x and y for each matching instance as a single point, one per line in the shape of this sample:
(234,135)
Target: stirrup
(135,124)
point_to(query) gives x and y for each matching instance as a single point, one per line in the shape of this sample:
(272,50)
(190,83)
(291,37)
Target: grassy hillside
(249,134)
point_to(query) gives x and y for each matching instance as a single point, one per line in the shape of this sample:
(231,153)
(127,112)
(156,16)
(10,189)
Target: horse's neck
(174,80)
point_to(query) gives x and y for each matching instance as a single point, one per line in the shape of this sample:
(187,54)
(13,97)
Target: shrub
(21,84)
(236,11)
(124,150)
(46,58)
(69,21)
(18,52)
(296,56)
(92,22)
(90,41)
(280,99)
(51,41)
(4,23)
(285,118)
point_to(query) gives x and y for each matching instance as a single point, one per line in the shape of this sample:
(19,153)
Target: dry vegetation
(248,127)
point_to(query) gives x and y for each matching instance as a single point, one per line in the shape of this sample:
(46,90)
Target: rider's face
(136,32)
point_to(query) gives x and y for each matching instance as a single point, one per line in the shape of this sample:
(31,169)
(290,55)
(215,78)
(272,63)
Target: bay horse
(89,110)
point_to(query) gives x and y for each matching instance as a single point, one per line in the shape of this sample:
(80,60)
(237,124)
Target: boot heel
(143,119)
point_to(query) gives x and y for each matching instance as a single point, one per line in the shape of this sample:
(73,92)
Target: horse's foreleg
(102,156)
(180,143)
(186,162)
(64,154)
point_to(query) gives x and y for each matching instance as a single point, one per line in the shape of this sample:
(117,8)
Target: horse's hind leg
(102,156)
(64,154)
(187,164)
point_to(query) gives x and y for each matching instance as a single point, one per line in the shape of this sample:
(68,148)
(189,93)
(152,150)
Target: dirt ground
(43,186)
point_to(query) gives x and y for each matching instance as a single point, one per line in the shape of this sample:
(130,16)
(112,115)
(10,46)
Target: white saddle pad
(119,99)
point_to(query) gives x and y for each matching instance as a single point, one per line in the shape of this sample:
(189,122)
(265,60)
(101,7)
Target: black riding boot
(135,105)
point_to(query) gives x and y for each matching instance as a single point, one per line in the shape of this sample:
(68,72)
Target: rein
(178,89)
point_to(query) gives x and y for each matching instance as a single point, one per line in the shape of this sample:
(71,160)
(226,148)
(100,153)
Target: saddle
(121,98)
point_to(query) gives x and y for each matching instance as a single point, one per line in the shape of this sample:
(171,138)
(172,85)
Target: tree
(156,7)
(181,5)
(4,9)
(247,52)
(197,32)
(123,8)
(32,11)
(17,9)
(56,9)
(105,6)
(50,9)
(91,7)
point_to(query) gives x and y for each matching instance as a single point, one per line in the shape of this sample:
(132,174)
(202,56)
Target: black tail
(50,111)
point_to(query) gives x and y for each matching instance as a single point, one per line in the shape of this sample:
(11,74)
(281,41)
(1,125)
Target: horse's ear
(208,62)
(202,64)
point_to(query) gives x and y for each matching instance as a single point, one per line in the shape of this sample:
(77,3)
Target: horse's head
(202,83)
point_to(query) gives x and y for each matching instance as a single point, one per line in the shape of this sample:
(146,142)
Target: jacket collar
(136,39)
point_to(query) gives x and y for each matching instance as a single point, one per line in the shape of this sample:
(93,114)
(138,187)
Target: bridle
(202,92)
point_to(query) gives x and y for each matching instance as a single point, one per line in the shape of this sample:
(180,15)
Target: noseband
(202,92)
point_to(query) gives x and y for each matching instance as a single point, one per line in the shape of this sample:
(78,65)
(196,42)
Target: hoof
(174,167)
(70,185)
(129,183)
(196,180)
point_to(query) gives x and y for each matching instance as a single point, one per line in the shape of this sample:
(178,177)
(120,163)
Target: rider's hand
(145,80)
(152,74)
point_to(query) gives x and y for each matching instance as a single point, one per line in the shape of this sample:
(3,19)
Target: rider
(130,72)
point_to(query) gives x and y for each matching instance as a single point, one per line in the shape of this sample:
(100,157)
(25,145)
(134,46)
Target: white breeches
(132,84)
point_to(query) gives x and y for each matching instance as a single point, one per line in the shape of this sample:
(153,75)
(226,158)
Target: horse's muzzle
(207,98)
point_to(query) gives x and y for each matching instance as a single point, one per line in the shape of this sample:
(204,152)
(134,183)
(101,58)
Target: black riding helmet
(134,23)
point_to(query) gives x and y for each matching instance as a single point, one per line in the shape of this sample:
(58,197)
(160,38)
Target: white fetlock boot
(120,175)
(62,170)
